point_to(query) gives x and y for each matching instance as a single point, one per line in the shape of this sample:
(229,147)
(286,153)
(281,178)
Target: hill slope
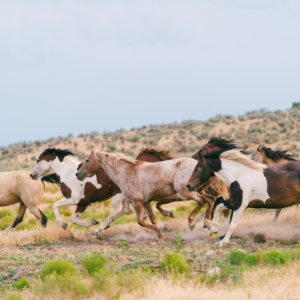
(279,130)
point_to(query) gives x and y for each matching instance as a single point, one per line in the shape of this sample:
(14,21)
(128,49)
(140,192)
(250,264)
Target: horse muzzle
(34,177)
(80,175)
(191,188)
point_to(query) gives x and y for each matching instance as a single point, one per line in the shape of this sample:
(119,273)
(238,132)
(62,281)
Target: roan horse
(18,187)
(251,185)
(96,188)
(143,182)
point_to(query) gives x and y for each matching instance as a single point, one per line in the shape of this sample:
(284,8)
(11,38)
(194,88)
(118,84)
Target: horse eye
(87,161)
(37,160)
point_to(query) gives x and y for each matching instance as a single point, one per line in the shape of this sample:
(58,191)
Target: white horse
(93,189)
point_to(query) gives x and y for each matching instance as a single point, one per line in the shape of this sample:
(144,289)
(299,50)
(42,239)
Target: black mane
(217,153)
(226,145)
(61,154)
(276,155)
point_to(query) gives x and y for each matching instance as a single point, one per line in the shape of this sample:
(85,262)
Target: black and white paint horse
(251,185)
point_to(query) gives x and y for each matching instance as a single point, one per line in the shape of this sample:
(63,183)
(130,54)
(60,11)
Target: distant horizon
(80,66)
(135,127)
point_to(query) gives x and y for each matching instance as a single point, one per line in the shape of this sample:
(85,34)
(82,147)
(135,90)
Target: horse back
(290,166)
(15,185)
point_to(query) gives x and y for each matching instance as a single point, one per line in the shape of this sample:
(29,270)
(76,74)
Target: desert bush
(94,263)
(175,263)
(21,284)
(111,147)
(59,267)
(13,296)
(66,284)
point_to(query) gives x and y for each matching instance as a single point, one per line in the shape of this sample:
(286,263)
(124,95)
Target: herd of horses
(222,174)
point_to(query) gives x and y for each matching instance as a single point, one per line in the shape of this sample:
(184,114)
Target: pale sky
(80,66)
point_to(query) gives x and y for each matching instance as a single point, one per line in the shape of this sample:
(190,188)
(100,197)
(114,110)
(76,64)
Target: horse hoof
(171,215)
(95,233)
(108,226)
(144,217)
(204,226)
(64,225)
(192,226)
(94,222)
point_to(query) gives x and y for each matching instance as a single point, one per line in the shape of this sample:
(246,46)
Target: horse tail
(51,178)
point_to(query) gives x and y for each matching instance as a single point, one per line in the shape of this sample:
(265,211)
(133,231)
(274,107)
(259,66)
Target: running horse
(271,158)
(17,187)
(143,182)
(251,185)
(96,188)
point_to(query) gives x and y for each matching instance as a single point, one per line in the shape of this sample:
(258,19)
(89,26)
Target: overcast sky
(79,66)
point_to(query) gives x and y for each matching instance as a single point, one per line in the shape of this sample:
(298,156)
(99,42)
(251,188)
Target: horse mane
(276,155)
(238,156)
(117,157)
(219,186)
(225,145)
(164,154)
(60,153)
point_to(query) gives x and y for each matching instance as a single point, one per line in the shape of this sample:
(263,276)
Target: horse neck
(114,169)
(271,163)
(231,170)
(62,168)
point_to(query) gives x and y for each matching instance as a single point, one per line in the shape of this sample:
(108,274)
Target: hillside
(279,130)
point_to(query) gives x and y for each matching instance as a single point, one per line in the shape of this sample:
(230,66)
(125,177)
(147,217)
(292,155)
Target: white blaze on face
(40,168)
(93,180)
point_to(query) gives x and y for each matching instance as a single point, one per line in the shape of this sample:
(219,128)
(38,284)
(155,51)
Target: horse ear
(200,156)
(92,150)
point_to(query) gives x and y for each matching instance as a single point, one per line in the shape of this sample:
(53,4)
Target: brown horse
(272,158)
(96,188)
(18,187)
(143,182)
(251,185)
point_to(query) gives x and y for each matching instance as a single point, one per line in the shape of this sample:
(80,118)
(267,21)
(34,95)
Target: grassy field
(261,262)
(127,262)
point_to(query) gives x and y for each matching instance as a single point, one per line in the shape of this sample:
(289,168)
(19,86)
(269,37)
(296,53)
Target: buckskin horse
(251,185)
(143,182)
(18,187)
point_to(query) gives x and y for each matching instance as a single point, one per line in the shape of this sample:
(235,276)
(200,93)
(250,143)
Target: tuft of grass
(5,212)
(21,284)
(66,284)
(6,221)
(59,266)
(13,296)
(175,263)
(272,257)
(93,263)
(50,214)
(179,243)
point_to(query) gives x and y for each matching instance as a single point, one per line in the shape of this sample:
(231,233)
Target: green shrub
(50,215)
(21,283)
(183,208)
(174,262)
(237,257)
(94,263)
(6,221)
(67,284)
(59,266)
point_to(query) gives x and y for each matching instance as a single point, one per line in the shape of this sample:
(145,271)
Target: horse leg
(19,218)
(224,217)
(63,202)
(214,228)
(167,213)
(139,211)
(277,214)
(78,213)
(207,219)
(236,216)
(113,215)
(38,214)
(193,214)
(149,210)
